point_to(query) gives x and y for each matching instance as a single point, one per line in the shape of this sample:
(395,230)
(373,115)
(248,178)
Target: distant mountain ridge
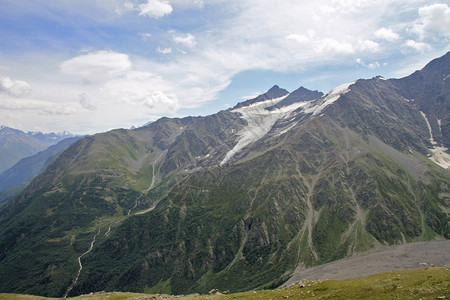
(16,144)
(15,179)
(238,199)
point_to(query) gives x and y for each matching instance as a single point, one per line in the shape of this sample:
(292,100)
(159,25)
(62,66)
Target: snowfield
(328,99)
(438,154)
(260,120)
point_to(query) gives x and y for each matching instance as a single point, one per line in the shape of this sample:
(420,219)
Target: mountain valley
(16,178)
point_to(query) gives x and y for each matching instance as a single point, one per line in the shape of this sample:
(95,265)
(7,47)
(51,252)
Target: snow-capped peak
(332,96)
(65,133)
(271,95)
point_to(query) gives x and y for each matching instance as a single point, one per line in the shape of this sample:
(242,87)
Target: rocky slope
(236,200)
(382,259)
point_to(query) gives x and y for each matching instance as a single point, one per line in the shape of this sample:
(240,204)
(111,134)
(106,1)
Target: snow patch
(441,157)
(259,122)
(408,100)
(438,154)
(446,77)
(429,128)
(328,99)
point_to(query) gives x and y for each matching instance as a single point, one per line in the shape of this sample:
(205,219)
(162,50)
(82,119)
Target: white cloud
(417,46)
(14,88)
(164,50)
(42,107)
(372,65)
(370,46)
(187,40)
(387,34)
(155,9)
(64,110)
(128,5)
(121,91)
(18,98)
(328,9)
(86,103)
(192,3)
(145,36)
(162,102)
(301,38)
(332,45)
(142,88)
(96,65)
(344,7)
(199,3)
(434,19)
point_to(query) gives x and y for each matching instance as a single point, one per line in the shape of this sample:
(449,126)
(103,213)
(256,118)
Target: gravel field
(382,259)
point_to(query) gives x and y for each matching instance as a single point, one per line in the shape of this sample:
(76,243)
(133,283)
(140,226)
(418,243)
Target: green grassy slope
(429,283)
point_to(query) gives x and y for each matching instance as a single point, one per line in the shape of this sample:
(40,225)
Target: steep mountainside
(429,91)
(235,200)
(16,144)
(16,178)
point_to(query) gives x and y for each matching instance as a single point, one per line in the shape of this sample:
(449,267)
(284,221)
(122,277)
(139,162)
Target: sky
(88,66)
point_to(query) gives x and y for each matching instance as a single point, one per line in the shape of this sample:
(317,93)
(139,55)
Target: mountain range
(238,199)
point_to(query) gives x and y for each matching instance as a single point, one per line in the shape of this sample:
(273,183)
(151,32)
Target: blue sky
(90,66)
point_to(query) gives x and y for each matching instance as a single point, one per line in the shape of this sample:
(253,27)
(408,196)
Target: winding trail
(108,231)
(80,265)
